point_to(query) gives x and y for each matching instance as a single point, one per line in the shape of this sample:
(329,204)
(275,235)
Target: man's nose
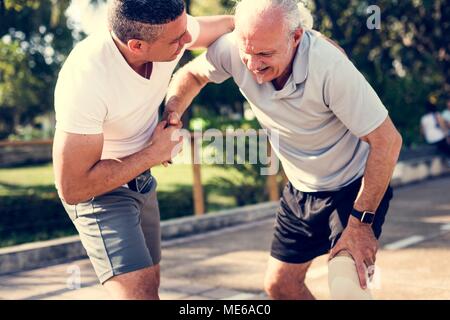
(253,64)
(187,38)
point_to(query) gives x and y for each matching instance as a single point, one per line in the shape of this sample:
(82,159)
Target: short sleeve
(446,115)
(193,27)
(351,98)
(216,62)
(78,105)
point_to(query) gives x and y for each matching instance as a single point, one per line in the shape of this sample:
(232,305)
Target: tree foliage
(34,41)
(407,61)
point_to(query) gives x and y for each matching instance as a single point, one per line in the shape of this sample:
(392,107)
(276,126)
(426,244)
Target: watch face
(368,217)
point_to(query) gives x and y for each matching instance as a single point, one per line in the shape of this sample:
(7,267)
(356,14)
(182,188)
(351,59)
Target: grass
(39,181)
(30,209)
(169,179)
(27,176)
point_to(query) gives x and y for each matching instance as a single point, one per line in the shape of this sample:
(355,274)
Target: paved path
(414,262)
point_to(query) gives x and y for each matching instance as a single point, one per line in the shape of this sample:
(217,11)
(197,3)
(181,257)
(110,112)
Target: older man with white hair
(337,143)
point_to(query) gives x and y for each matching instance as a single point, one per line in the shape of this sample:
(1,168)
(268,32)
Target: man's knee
(272,286)
(279,288)
(138,285)
(343,280)
(284,281)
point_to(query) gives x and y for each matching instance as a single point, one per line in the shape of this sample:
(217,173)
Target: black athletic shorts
(309,224)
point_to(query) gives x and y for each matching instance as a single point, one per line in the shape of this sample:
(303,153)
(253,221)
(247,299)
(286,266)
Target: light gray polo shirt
(319,115)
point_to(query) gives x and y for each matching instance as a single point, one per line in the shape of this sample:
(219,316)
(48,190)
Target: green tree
(18,86)
(35,41)
(407,60)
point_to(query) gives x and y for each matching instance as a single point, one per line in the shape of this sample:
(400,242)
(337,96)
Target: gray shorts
(120,231)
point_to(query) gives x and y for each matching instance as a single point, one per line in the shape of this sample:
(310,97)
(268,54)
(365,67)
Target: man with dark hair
(137,20)
(106,101)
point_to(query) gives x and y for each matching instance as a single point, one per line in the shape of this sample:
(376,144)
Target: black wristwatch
(365,217)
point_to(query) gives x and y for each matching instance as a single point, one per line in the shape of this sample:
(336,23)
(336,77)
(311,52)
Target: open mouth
(263,70)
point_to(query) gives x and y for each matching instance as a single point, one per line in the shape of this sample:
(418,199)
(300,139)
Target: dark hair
(142,19)
(431,107)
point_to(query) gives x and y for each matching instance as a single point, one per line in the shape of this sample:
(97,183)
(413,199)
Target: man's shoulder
(88,56)
(86,67)
(323,55)
(427,122)
(225,53)
(225,44)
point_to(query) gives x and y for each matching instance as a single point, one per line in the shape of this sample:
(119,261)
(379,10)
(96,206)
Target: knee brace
(343,280)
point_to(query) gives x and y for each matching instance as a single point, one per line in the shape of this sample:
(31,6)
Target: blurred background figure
(446,117)
(434,129)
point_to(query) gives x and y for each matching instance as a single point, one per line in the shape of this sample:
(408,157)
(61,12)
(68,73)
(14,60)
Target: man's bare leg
(138,285)
(285,281)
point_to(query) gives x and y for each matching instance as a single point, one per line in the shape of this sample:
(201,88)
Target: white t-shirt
(433,133)
(98,92)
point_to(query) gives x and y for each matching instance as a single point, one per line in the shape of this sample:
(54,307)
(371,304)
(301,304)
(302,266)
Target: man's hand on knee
(359,241)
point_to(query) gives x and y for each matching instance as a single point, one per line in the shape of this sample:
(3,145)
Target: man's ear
(135,46)
(298,33)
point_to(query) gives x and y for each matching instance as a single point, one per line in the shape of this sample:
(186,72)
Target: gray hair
(295,12)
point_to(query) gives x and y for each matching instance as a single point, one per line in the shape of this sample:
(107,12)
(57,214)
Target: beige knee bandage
(343,280)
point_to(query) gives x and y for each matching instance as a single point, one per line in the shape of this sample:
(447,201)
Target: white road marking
(407,242)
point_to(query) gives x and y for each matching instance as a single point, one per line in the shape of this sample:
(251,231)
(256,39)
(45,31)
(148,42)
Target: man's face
(265,46)
(170,43)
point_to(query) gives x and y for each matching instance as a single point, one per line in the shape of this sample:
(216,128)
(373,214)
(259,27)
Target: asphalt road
(413,263)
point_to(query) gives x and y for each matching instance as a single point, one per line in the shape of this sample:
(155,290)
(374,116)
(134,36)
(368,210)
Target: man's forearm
(212,28)
(379,170)
(183,88)
(107,175)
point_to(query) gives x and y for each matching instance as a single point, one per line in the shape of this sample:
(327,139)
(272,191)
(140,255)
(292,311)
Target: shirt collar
(301,60)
